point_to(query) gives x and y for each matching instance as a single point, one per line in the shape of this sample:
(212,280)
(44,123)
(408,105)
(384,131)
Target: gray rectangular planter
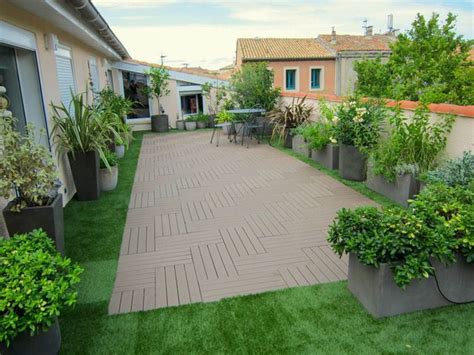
(300,146)
(404,187)
(327,157)
(352,163)
(381,297)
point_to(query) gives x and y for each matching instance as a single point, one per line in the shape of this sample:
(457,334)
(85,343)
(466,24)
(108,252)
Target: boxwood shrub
(36,284)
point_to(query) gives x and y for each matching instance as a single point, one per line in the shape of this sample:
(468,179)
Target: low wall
(460,139)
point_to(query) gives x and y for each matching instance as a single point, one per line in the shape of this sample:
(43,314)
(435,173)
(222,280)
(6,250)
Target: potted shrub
(108,173)
(299,144)
(357,131)
(411,148)
(190,123)
(286,117)
(84,136)
(225,117)
(454,172)
(402,261)
(36,286)
(201,120)
(158,88)
(28,179)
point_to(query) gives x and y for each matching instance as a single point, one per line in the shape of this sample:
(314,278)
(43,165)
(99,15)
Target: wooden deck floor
(208,222)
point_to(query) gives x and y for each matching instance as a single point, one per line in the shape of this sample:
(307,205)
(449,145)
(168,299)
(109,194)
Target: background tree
(215,96)
(252,87)
(158,84)
(429,63)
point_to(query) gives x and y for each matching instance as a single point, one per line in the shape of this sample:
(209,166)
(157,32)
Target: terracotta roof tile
(282,48)
(358,43)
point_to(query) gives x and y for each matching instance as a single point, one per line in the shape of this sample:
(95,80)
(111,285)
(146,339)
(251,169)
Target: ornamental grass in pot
(83,132)
(286,117)
(28,180)
(357,131)
(108,173)
(411,149)
(36,286)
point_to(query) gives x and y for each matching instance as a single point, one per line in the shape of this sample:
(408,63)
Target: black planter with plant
(158,88)
(84,133)
(28,180)
(29,323)
(407,260)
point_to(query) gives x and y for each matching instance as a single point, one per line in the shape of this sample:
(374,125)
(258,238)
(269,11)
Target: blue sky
(204,32)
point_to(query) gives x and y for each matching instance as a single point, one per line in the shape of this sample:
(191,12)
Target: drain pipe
(89,12)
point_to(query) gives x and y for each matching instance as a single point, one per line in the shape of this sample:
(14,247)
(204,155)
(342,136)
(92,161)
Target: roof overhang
(60,14)
(361,54)
(286,59)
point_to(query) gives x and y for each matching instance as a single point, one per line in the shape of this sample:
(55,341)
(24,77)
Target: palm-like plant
(288,116)
(81,128)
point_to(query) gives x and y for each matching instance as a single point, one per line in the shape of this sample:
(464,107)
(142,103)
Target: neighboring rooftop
(346,43)
(282,48)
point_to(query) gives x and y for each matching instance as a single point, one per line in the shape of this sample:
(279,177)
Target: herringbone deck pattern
(208,222)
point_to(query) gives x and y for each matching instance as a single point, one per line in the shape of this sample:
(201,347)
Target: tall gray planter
(381,297)
(404,187)
(352,163)
(180,125)
(159,123)
(300,146)
(288,142)
(327,157)
(85,172)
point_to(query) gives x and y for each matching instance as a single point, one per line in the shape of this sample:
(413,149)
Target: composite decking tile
(207,222)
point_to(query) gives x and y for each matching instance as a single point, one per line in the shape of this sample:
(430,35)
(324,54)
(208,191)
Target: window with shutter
(65,74)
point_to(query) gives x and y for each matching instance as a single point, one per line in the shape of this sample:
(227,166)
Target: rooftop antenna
(390,23)
(364,26)
(162,57)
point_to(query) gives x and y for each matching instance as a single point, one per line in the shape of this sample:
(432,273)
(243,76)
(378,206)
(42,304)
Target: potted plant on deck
(202,120)
(158,88)
(28,179)
(108,173)
(36,286)
(225,118)
(357,131)
(286,117)
(190,123)
(411,148)
(84,136)
(407,260)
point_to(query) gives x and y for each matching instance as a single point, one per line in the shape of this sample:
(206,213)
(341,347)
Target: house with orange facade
(321,65)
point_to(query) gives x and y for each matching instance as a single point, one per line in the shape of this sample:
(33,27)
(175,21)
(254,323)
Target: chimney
(333,36)
(369,31)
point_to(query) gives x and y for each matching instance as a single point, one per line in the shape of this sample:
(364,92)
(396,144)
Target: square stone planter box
(49,218)
(381,297)
(85,172)
(327,157)
(352,163)
(404,187)
(300,146)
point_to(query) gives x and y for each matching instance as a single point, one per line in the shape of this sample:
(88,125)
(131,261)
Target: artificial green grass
(316,319)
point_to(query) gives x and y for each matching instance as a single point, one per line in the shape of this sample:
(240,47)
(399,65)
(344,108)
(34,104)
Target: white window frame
(297,79)
(321,78)
(65,51)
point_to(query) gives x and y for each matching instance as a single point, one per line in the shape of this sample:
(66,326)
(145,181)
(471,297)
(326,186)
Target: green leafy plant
(289,116)
(36,284)
(109,161)
(224,117)
(158,87)
(320,133)
(458,171)
(392,236)
(81,128)
(26,168)
(201,117)
(429,63)
(449,211)
(413,144)
(359,123)
(215,96)
(252,87)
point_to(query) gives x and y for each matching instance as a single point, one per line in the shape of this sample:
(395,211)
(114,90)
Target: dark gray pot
(43,343)
(85,172)
(352,163)
(404,187)
(180,125)
(201,124)
(327,157)
(49,218)
(159,123)
(300,146)
(288,140)
(381,297)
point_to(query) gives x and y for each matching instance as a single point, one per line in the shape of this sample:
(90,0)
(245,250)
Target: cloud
(213,46)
